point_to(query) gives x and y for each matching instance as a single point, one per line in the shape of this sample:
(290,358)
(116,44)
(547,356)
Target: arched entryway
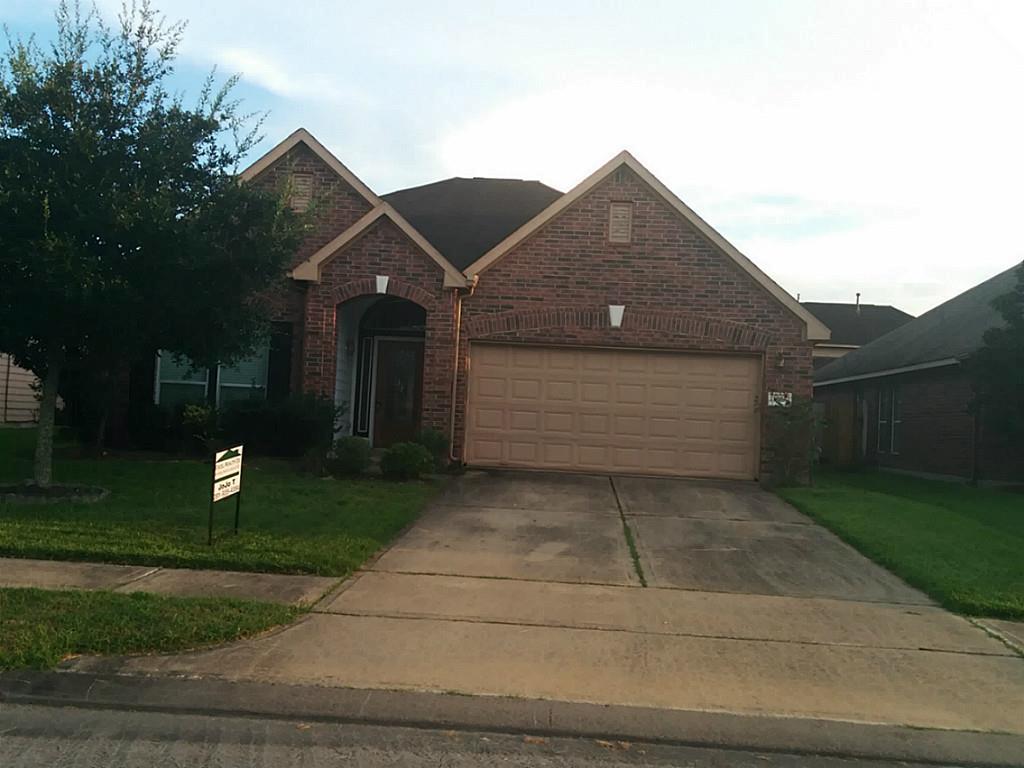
(379,382)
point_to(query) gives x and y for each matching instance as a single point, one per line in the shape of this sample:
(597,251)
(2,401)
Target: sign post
(227,481)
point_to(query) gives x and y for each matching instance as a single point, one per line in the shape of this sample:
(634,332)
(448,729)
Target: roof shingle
(857,326)
(952,330)
(465,218)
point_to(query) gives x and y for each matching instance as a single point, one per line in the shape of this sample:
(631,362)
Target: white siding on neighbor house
(18,403)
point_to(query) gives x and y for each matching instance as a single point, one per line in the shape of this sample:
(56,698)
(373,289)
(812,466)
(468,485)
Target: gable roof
(942,336)
(816,330)
(310,268)
(302,136)
(464,218)
(857,324)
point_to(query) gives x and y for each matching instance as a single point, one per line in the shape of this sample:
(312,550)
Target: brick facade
(336,205)
(936,434)
(680,291)
(555,288)
(382,250)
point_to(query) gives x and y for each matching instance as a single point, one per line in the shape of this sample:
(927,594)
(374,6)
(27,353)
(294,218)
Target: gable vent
(301,191)
(620,222)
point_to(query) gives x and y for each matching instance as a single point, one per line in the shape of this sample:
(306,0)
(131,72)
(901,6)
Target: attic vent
(301,191)
(620,222)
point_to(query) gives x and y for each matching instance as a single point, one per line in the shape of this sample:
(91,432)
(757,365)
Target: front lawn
(963,546)
(39,628)
(156,515)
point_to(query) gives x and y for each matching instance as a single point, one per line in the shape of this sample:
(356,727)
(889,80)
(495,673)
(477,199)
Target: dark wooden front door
(398,391)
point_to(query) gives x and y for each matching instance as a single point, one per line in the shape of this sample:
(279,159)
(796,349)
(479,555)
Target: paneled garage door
(631,411)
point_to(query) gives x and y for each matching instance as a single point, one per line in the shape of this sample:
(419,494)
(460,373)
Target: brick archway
(675,324)
(368,286)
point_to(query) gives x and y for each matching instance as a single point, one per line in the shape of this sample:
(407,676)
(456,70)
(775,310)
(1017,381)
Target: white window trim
(878,440)
(890,419)
(893,421)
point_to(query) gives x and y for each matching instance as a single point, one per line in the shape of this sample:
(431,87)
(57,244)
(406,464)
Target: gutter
(891,371)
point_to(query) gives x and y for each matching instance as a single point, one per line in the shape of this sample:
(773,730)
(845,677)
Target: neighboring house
(903,402)
(18,403)
(852,326)
(605,329)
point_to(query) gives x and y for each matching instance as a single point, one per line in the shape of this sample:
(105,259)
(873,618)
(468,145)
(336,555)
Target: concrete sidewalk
(175,582)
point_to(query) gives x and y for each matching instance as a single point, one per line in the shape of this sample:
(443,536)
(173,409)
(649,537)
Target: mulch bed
(30,493)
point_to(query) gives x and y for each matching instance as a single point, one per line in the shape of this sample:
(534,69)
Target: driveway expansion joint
(404,616)
(628,533)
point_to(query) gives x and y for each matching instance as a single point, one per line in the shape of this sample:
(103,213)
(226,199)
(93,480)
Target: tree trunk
(106,396)
(43,471)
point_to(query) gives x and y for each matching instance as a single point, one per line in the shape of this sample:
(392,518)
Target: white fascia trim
(301,135)
(837,346)
(891,371)
(309,270)
(816,330)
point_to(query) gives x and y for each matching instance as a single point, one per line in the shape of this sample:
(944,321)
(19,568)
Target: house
(903,402)
(18,402)
(608,328)
(852,326)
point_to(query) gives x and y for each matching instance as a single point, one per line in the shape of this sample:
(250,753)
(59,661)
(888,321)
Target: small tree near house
(997,368)
(123,228)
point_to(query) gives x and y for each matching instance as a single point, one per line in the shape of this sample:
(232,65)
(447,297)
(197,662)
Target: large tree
(998,367)
(123,228)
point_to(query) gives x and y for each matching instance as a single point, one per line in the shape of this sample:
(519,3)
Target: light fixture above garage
(615,312)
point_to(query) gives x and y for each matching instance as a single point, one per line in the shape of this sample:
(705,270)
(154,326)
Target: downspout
(457,297)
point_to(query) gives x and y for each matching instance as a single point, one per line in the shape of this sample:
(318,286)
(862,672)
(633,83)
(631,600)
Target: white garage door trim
(624,410)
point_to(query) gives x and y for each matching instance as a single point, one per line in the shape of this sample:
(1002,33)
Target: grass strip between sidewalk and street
(963,546)
(39,628)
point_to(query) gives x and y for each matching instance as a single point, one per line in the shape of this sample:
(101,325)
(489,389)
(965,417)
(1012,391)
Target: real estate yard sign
(227,481)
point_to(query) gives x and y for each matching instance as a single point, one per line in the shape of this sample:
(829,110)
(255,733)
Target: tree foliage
(998,367)
(123,228)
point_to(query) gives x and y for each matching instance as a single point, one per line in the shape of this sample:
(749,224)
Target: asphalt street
(50,737)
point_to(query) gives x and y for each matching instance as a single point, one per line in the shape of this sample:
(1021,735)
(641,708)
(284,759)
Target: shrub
(351,456)
(790,431)
(435,441)
(291,428)
(406,461)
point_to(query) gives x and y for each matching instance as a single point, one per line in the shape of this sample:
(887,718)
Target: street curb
(509,715)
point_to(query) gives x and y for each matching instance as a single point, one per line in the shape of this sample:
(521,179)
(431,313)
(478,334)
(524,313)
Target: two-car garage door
(630,411)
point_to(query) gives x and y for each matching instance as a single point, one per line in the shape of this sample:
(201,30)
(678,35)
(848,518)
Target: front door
(398,390)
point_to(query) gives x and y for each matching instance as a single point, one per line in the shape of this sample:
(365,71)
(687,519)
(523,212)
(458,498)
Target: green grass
(39,628)
(963,546)
(157,510)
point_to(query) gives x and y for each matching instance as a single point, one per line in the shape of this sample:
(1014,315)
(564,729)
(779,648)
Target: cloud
(871,146)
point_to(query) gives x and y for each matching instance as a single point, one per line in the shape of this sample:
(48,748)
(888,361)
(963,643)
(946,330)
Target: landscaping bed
(963,546)
(156,514)
(40,628)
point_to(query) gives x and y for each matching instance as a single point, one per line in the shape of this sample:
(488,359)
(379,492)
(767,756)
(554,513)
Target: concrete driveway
(520,584)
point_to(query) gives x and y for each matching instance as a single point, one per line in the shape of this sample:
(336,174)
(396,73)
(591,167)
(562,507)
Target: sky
(870,146)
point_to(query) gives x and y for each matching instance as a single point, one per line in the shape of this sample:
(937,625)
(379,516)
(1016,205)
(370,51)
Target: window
(889,420)
(179,381)
(620,222)
(246,379)
(895,421)
(302,191)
